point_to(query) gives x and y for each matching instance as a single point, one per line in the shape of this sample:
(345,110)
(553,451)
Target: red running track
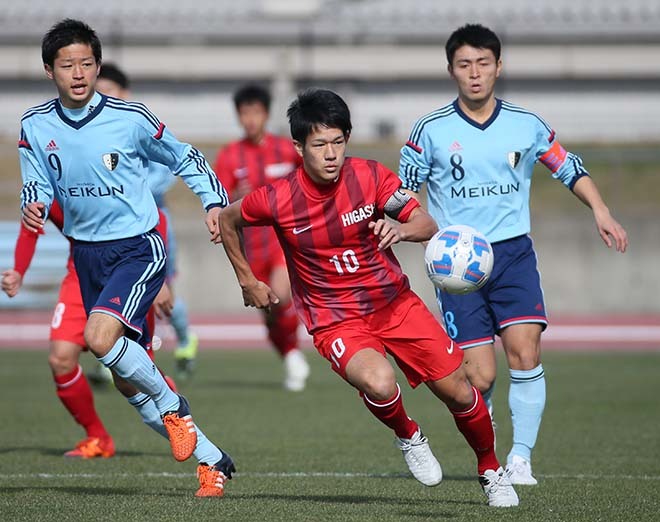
(29,330)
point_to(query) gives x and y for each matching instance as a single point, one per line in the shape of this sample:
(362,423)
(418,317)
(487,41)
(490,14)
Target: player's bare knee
(461,396)
(482,382)
(379,384)
(524,359)
(101,333)
(61,364)
(92,339)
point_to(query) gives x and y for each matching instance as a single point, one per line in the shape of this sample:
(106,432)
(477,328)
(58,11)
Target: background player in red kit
(66,343)
(350,291)
(67,340)
(242,166)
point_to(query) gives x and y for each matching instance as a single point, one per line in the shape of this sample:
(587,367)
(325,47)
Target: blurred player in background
(112,81)
(476,156)
(243,166)
(90,153)
(350,291)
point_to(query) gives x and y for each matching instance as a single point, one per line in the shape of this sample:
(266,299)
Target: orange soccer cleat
(93,447)
(181,430)
(212,478)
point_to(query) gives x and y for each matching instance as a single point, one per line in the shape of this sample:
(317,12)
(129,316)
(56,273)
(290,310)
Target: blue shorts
(121,277)
(512,295)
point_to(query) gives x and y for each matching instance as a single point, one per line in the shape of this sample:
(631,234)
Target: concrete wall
(579,274)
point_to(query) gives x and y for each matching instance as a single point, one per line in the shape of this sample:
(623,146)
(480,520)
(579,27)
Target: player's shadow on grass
(233,384)
(59,452)
(76,490)
(360,499)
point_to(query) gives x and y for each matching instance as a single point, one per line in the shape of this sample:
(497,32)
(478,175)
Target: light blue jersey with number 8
(480,174)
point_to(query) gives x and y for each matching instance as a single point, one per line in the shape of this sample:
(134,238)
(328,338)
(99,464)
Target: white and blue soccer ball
(459,259)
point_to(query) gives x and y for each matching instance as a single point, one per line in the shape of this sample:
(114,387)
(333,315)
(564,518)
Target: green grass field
(319,455)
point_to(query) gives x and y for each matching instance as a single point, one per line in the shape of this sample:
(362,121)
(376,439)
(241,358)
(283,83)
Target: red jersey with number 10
(336,269)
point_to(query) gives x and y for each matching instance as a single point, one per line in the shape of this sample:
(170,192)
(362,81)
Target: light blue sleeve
(416,161)
(184,161)
(160,179)
(36,183)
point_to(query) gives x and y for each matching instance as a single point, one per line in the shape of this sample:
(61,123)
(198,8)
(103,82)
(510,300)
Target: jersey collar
(480,126)
(318,191)
(80,123)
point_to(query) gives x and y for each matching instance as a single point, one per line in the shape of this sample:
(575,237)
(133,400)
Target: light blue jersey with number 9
(97,167)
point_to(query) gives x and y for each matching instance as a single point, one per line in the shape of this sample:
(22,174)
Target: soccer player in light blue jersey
(476,156)
(91,153)
(112,81)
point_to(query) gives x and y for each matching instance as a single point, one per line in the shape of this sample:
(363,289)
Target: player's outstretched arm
(255,293)
(11,282)
(611,232)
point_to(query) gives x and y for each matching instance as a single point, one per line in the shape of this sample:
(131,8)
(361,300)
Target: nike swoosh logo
(297,231)
(450,350)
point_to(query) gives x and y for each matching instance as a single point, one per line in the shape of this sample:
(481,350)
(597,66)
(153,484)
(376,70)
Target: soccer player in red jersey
(243,166)
(350,291)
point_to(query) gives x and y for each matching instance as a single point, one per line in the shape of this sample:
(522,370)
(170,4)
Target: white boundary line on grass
(256,333)
(294,474)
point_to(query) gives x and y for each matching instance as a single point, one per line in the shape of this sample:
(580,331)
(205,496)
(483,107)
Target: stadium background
(589,68)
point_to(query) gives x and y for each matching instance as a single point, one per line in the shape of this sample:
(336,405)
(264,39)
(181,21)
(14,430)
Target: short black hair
(318,107)
(474,35)
(112,72)
(65,33)
(252,93)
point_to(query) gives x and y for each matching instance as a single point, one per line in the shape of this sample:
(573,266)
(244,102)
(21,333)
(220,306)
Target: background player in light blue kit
(91,153)
(112,81)
(476,156)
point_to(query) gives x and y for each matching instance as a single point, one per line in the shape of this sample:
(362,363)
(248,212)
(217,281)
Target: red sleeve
(256,208)
(223,170)
(388,184)
(404,215)
(56,215)
(26,244)
(162,225)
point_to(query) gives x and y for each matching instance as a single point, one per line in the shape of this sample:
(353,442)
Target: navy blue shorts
(121,277)
(512,295)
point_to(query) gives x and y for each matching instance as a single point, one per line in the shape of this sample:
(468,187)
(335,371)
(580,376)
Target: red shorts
(69,317)
(406,330)
(263,266)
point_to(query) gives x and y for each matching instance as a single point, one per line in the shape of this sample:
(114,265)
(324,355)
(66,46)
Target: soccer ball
(458,259)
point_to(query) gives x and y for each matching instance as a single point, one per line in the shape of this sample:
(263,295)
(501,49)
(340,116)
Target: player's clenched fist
(259,295)
(11,282)
(387,232)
